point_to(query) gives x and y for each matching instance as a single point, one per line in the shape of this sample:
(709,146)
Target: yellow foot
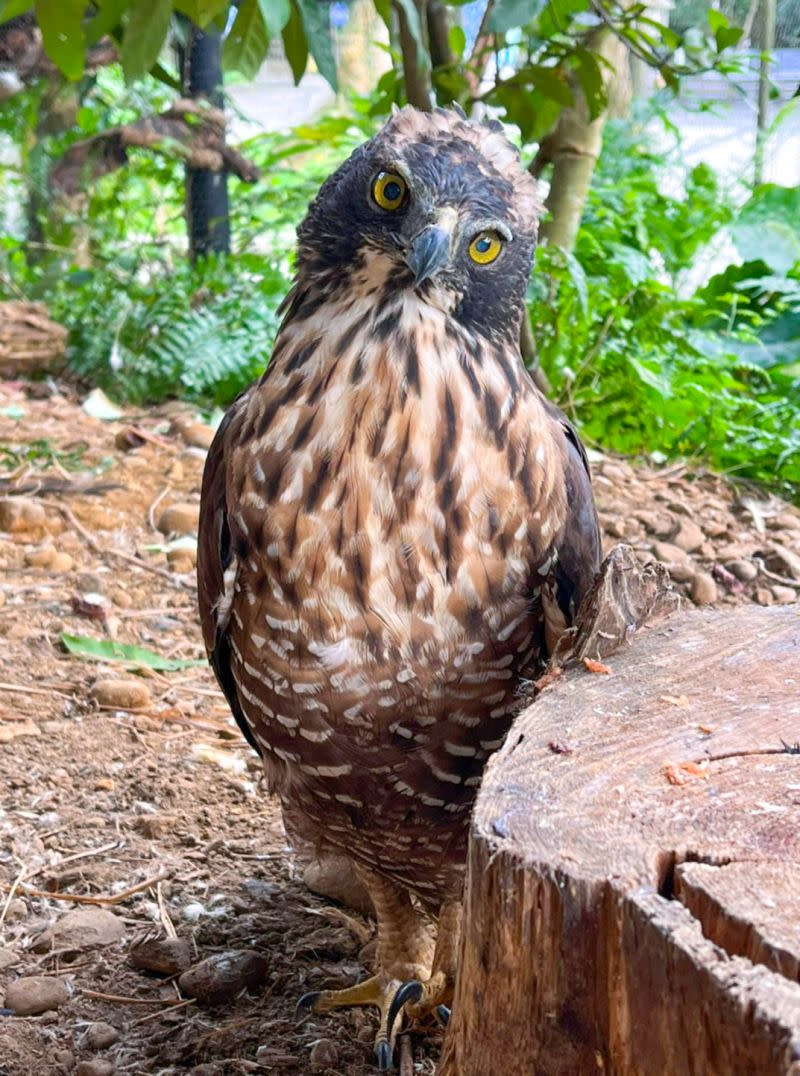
(383,991)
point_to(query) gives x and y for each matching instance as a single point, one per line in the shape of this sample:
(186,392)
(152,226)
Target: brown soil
(96,800)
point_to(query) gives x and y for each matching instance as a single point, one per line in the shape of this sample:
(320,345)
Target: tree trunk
(767,9)
(416,69)
(574,146)
(632,891)
(207,210)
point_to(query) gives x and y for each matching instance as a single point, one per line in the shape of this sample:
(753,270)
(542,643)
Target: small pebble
(763,596)
(16,910)
(668,553)
(62,562)
(219,978)
(121,694)
(784,595)
(20,514)
(7,958)
(196,434)
(682,571)
(744,570)
(40,557)
(82,928)
(688,537)
(65,1059)
(36,994)
(179,519)
(324,1054)
(101,1035)
(703,590)
(164,956)
(182,561)
(98,1066)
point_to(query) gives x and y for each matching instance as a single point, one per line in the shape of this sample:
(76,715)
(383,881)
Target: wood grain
(598,937)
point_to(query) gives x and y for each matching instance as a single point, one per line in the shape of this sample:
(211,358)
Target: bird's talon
(443,1015)
(383,1056)
(409,991)
(306,1004)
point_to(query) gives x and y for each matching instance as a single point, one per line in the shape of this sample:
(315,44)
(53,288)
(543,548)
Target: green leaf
(276,15)
(295,44)
(590,78)
(83,646)
(62,34)
(549,81)
(148,23)
(766,228)
(248,41)
(202,12)
(9,9)
(507,14)
(457,40)
(578,278)
(728,36)
(317,26)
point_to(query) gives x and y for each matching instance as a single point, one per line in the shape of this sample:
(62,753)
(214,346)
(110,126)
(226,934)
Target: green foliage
(646,364)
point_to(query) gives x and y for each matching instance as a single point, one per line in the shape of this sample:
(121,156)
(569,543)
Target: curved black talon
(306,1004)
(443,1015)
(410,991)
(383,1056)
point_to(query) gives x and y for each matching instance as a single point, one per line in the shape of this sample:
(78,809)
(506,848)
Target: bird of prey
(395,529)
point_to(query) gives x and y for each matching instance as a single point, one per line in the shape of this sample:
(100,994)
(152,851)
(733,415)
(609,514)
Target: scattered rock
(657,523)
(121,694)
(703,590)
(334,877)
(668,553)
(182,560)
(744,570)
(324,1054)
(121,598)
(15,730)
(164,956)
(16,910)
(155,825)
(19,514)
(7,958)
(179,519)
(40,557)
(682,571)
(101,1035)
(98,1066)
(784,595)
(62,562)
(221,977)
(36,994)
(688,537)
(763,596)
(82,928)
(195,434)
(65,1059)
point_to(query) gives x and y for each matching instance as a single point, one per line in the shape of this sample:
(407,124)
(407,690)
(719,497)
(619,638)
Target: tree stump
(633,889)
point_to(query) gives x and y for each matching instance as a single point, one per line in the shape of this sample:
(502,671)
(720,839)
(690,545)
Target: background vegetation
(645,348)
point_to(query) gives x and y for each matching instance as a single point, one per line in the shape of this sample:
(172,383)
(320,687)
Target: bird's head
(435,204)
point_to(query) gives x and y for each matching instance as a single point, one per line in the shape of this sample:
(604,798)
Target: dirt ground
(136,812)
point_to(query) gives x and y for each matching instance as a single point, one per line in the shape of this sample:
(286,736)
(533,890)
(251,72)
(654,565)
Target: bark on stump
(615,921)
(29,340)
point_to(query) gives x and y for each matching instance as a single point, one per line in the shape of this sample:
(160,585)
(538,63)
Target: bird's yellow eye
(485,247)
(389,190)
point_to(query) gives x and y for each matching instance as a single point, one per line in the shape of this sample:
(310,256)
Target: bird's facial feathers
(444,204)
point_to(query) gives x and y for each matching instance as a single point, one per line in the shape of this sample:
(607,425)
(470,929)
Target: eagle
(396,527)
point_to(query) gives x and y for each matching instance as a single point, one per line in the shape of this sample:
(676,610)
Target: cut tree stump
(633,890)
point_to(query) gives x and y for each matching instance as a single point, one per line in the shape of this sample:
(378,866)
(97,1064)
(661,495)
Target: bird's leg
(419,997)
(404,953)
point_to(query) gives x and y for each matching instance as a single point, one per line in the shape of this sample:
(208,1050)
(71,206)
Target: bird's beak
(427,253)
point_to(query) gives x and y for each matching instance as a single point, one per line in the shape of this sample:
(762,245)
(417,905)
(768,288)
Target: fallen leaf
(98,405)
(593,666)
(81,646)
(675,700)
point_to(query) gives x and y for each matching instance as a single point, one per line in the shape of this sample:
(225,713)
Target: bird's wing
(217,565)
(578,545)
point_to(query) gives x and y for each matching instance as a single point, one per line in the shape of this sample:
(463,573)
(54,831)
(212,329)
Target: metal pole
(767,37)
(207,208)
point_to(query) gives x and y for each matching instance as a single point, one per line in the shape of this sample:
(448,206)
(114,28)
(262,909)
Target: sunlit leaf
(295,44)
(83,646)
(145,32)
(506,14)
(246,45)
(317,27)
(62,33)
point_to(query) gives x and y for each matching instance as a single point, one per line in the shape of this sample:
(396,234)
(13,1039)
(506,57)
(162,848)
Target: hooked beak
(428,252)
